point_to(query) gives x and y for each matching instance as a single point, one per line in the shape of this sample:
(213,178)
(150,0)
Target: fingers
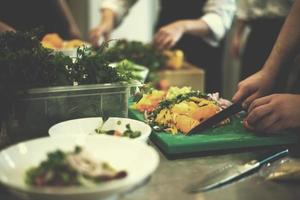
(266,123)
(243,92)
(168,36)
(263,116)
(164,41)
(258,113)
(95,35)
(158,38)
(259,102)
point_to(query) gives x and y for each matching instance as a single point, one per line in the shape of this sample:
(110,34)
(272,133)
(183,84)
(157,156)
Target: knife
(231,173)
(217,118)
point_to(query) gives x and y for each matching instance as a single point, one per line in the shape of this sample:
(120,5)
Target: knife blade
(231,173)
(217,118)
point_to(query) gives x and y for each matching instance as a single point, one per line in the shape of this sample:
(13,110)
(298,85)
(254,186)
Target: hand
(96,33)
(5,27)
(274,113)
(253,87)
(168,35)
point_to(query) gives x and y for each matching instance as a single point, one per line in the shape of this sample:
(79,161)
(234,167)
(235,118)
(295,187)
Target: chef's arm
(104,28)
(112,13)
(261,83)
(287,42)
(218,15)
(196,27)
(73,29)
(5,27)
(211,27)
(167,36)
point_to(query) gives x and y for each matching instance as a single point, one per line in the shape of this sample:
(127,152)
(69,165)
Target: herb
(128,71)
(137,52)
(25,64)
(130,133)
(91,67)
(127,133)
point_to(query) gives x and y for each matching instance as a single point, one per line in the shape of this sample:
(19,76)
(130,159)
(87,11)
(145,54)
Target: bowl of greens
(138,72)
(113,126)
(85,168)
(41,87)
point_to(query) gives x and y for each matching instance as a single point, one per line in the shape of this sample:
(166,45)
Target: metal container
(36,110)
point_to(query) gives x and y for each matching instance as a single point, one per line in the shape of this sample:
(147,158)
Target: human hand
(5,27)
(253,87)
(96,33)
(167,36)
(274,113)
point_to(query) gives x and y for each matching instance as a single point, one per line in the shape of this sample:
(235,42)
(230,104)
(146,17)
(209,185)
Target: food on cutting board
(71,169)
(54,41)
(179,109)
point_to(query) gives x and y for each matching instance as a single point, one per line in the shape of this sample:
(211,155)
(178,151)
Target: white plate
(87,126)
(137,158)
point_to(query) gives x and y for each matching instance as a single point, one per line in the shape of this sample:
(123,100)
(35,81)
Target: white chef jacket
(257,9)
(218,16)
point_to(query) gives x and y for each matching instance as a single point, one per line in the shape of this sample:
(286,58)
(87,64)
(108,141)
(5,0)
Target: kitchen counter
(173,176)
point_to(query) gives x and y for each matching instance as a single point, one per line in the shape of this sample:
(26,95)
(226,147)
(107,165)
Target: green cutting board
(228,137)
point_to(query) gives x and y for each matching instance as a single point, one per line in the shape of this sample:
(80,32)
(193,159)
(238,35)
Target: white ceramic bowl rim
(102,187)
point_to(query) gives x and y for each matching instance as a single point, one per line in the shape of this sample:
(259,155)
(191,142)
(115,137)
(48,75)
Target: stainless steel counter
(173,176)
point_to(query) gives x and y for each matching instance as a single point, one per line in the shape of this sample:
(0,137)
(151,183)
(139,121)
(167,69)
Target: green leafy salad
(71,169)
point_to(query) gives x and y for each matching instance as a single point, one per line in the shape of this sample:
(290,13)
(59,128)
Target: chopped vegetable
(180,110)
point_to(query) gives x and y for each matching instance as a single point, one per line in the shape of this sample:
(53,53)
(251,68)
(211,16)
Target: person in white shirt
(197,27)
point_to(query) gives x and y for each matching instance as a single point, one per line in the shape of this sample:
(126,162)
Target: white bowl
(138,159)
(87,126)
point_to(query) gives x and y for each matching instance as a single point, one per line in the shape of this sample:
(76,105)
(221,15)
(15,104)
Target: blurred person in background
(268,112)
(265,19)
(196,27)
(51,15)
